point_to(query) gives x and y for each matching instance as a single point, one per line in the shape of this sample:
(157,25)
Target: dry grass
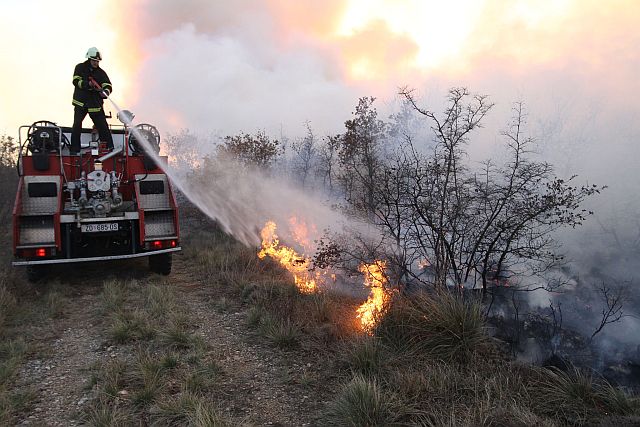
(365,356)
(8,306)
(442,326)
(169,360)
(282,332)
(363,402)
(106,412)
(188,409)
(114,295)
(576,397)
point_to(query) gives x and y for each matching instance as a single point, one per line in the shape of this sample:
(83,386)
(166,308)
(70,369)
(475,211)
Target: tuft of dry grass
(161,301)
(365,356)
(282,332)
(12,353)
(129,326)
(201,379)
(442,326)
(575,397)
(114,295)
(363,402)
(55,303)
(105,412)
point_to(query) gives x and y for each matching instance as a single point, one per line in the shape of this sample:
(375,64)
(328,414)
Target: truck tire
(160,264)
(35,273)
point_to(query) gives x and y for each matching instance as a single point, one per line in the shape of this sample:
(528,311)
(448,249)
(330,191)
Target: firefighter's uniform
(88,100)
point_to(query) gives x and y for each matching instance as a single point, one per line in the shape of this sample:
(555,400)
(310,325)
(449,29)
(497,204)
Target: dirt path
(260,384)
(65,349)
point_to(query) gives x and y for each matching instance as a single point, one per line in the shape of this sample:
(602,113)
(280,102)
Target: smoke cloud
(222,68)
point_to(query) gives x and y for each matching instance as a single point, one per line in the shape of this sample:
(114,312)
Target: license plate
(99,227)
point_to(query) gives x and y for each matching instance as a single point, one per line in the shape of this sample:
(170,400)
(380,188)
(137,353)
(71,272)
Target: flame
(378,302)
(307,282)
(301,231)
(296,264)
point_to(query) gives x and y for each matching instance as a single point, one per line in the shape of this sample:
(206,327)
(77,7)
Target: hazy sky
(273,64)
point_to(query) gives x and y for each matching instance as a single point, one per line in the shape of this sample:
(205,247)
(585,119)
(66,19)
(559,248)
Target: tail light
(36,252)
(162,244)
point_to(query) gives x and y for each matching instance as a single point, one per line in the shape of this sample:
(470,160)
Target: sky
(274,64)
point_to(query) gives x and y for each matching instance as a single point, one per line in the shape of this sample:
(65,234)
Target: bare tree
(469,226)
(305,150)
(612,311)
(326,167)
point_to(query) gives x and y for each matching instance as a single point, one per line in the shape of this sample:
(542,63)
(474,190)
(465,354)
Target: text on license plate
(100,226)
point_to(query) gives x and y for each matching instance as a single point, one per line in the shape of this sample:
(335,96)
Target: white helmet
(93,53)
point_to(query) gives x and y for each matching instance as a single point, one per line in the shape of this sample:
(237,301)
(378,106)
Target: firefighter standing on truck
(92,86)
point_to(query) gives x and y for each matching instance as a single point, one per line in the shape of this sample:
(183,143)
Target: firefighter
(92,86)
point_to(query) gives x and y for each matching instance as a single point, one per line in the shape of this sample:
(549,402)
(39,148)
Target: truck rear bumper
(97,258)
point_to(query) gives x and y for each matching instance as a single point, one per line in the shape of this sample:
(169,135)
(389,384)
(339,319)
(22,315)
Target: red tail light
(161,244)
(40,252)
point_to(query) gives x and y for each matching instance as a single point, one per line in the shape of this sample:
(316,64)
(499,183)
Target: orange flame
(296,264)
(307,282)
(376,305)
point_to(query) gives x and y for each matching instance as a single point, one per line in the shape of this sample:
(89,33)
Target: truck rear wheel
(160,264)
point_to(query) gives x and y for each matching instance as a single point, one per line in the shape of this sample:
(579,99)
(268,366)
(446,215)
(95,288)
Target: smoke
(242,199)
(223,68)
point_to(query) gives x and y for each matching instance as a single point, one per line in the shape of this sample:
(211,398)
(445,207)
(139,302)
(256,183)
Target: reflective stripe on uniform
(106,85)
(78,103)
(79,79)
(94,110)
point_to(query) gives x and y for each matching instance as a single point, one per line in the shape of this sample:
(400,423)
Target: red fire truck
(95,206)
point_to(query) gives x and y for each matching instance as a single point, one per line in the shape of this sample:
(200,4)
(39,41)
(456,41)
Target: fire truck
(98,205)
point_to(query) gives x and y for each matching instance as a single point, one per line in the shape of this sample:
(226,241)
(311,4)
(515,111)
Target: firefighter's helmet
(93,53)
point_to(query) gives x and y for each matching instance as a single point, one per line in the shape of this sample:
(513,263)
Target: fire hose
(94,84)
